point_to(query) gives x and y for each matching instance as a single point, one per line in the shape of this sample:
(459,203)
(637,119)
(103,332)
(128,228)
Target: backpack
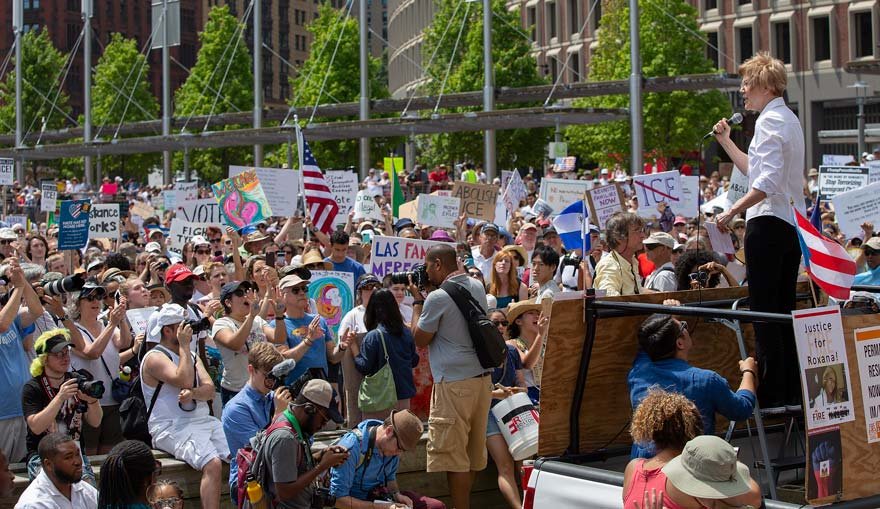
(247,459)
(134,414)
(488,342)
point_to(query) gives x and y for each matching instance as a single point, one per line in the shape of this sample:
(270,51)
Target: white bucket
(518,420)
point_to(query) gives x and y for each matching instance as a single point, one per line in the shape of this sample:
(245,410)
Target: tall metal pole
(258,76)
(635,89)
(488,91)
(861,91)
(166,94)
(87,88)
(17,26)
(365,87)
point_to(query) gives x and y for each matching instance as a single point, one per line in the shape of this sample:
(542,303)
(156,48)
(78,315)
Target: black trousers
(772,258)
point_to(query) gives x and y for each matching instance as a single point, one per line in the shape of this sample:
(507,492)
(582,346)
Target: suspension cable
(207,85)
(330,67)
(66,71)
(464,19)
(565,63)
(238,39)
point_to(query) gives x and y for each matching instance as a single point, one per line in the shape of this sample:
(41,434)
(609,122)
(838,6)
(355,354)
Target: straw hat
(522,307)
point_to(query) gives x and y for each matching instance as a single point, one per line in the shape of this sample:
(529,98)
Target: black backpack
(488,342)
(134,414)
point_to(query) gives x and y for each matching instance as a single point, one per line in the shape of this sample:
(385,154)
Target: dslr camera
(199,326)
(418,274)
(86,383)
(321,498)
(64,285)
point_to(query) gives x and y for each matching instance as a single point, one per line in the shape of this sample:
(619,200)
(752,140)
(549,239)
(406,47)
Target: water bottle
(255,493)
(125,374)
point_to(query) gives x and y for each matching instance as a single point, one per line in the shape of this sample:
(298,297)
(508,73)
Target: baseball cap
(873,243)
(402,223)
(679,220)
(52,341)
(490,227)
(169,314)
(153,247)
(528,226)
(291,281)
(199,240)
(661,238)
(320,393)
(408,429)
(155,231)
(707,468)
(229,288)
(367,279)
(550,230)
(91,287)
(95,264)
(177,273)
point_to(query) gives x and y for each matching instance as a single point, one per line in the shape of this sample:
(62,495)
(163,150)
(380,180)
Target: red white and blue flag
(320,200)
(826,261)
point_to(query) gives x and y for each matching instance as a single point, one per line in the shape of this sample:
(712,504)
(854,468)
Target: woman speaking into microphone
(775,167)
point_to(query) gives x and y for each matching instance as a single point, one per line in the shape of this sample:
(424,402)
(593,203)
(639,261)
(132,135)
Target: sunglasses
(203,251)
(241,292)
(682,327)
(475,274)
(62,354)
(370,287)
(92,298)
(871,252)
(504,323)
(300,289)
(216,240)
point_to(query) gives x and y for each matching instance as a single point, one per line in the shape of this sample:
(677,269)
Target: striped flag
(827,262)
(319,198)
(573,226)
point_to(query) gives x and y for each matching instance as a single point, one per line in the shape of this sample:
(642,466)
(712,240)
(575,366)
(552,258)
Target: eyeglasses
(203,251)
(503,323)
(474,274)
(62,354)
(682,327)
(216,240)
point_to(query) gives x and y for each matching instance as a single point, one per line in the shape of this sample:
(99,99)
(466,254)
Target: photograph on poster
(826,465)
(827,388)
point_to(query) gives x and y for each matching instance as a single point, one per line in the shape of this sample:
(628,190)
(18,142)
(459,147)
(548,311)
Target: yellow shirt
(617,276)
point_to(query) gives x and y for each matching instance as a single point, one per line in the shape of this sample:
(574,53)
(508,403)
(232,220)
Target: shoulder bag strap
(162,349)
(92,340)
(455,293)
(382,338)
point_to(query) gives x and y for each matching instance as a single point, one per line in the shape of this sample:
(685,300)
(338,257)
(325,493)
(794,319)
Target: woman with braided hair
(126,474)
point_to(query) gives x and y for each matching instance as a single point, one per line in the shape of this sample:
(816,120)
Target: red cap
(177,273)
(680,220)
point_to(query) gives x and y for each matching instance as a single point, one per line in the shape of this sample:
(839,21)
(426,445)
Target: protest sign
(439,211)
(514,193)
(654,188)
(396,254)
(333,293)
(13,220)
(104,221)
(560,193)
(867,349)
(138,319)
(409,209)
(169,199)
(690,197)
(155,179)
(186,191)
(852,208)
(73,224)
(739,185)
(564,164)
(344,186)
(542,208)
(157,201)
(48,196)
(502,216)
(837,160)
(477,200)
(142,209)
(505,178)
(393,163)
(281,187)
(873,171)
(7,172)
(721,242)
(201,211)
(824,370)
(834,180)
(715,204)
(183,231)
(604,201)
(242,200)
(365,207)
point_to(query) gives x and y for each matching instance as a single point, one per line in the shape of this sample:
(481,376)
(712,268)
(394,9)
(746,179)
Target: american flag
(319,198)
(826,261)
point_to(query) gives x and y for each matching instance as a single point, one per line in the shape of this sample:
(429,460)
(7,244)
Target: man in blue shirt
(662,361)
(256,405)
(370,472)
(339,255)
(309,338)
(871,250)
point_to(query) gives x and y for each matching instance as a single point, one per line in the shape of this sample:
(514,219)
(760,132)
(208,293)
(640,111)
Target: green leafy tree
(513,64)
(120,93)
(221,81)
(334,33)
(673,122)
(42,67)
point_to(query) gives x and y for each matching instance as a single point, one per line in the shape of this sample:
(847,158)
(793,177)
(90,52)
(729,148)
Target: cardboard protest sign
(396,254)
(867,343)
(739,185)
(852,208)
(344,186)
(73,224)
(7,172)
(280,187)
(477,200)
(409,209)
(48,196)
(104,221)
(333,293)
(604,201)
(719,202)
(138,319)
(439,211)
(182,231)
(241,199)
(365,207)
(157,201)
(186,191)
(201,211)
(690,196)
(560,193)
(834,180)
(824,370)
(142,209)
(654,188)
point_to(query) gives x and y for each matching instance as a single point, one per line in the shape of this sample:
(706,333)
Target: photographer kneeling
(370,472)
(56,399)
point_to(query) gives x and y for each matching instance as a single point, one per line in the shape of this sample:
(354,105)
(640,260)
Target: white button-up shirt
(776,162)
(42,494)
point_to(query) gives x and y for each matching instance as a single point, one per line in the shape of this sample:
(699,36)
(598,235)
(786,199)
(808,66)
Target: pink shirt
(646,480)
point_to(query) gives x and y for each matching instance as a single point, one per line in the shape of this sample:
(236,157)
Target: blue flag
(573,226)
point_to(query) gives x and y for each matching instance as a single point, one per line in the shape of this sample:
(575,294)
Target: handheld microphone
(734,119)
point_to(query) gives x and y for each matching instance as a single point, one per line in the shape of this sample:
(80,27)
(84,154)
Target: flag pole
(585,228)
(300,159)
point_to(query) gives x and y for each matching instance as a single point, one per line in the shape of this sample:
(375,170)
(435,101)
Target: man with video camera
(58,400)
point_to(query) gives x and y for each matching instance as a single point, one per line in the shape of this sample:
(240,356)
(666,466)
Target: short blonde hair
(764,71)
(263,356)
